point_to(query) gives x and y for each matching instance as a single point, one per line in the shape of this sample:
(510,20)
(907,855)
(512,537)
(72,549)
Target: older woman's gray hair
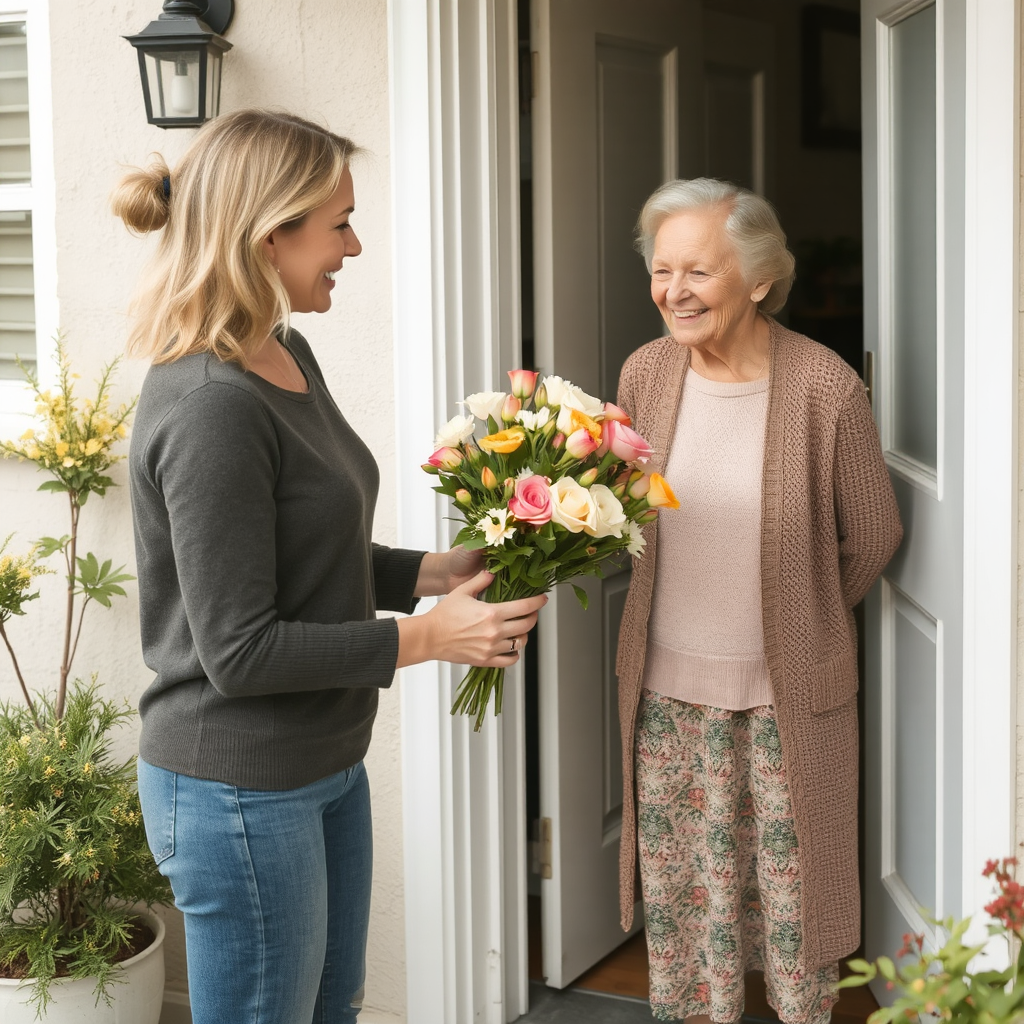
(752,227)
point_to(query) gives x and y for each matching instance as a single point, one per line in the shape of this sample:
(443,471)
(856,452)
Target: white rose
(578,399)
(486,403)
(555,388)
(610,518)
(494,528)
(454,432)
(572,506)
(635,542)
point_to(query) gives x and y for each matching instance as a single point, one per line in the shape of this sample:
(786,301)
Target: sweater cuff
(395,571)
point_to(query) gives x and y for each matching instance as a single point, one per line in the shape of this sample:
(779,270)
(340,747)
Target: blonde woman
(253,501)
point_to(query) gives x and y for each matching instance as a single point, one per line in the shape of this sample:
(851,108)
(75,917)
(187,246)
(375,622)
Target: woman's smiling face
(697,281)
(308,256)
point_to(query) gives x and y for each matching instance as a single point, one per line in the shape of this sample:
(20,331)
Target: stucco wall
(326,59)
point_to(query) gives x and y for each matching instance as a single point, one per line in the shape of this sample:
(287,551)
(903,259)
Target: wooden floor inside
(624,973)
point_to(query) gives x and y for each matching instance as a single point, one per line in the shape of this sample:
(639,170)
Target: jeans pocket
(157,794)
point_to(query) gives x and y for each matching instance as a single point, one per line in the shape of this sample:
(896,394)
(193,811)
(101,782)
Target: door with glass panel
(913,124)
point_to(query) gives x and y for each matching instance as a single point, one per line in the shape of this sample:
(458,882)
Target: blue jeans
(275,889)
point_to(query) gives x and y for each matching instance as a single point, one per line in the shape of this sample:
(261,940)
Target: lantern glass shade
(181,86)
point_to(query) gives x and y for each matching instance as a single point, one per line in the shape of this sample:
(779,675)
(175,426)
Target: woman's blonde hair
(752,226)
(211,286)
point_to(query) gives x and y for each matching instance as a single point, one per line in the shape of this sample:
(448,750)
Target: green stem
(69,617)
(17,672)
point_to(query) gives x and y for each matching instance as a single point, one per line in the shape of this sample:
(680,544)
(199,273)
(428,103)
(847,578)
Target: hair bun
(142,198)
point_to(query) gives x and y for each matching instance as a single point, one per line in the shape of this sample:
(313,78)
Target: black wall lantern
(179,61)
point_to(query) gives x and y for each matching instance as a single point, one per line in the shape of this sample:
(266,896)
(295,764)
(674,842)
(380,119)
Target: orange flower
(504,441)
(660,495)
(592,427)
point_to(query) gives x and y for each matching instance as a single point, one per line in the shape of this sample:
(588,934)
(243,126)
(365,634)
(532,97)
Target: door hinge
(544,848)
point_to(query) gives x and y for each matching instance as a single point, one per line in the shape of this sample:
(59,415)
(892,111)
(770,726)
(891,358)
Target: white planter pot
(137,997)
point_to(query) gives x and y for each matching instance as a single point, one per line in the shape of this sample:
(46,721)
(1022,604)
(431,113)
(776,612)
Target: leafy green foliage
(73,855)
(73,852)
(940,984)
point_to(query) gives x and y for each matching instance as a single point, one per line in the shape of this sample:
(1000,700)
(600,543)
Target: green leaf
(886,968)
(100,582)
(48,545)
(581,596)
(859,965)
(475,541)
(53,485)
(854,980)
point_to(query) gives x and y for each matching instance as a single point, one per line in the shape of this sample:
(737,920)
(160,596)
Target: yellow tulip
(504,441)
(660,495)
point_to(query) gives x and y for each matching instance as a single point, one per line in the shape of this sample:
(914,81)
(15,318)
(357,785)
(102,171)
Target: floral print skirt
(718,863)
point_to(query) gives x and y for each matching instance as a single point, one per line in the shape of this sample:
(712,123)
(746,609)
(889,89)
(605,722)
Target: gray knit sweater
(258,580)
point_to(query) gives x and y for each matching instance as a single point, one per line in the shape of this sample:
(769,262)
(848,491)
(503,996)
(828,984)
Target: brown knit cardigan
(829,525)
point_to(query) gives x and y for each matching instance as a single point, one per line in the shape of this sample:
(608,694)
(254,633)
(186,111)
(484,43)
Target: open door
(914,217)
(623,101)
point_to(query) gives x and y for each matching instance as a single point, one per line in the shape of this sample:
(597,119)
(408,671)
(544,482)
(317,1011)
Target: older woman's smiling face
(697,281)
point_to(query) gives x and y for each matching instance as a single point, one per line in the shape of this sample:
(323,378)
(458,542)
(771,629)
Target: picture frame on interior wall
(830,78)
(30,200)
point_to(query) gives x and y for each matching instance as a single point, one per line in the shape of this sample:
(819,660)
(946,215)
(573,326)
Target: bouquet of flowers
(549,493)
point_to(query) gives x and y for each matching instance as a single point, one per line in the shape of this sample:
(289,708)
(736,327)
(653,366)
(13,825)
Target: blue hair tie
(167,187)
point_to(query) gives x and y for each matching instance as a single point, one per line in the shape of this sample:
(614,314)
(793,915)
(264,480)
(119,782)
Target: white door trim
(990,441)
(455,238)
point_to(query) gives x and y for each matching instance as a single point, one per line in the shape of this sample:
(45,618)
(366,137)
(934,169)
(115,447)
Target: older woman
(738,651)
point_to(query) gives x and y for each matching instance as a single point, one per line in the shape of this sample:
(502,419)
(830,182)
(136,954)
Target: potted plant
(74,864)
(940,984)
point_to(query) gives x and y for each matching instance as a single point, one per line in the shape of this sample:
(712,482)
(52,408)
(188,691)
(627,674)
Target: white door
(623,101)
(914,220)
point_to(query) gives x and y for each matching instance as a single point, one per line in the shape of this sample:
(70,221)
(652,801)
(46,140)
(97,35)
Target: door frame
(991,391)
(455,238)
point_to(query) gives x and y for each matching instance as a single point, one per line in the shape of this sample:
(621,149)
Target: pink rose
(531,502)
(625,443)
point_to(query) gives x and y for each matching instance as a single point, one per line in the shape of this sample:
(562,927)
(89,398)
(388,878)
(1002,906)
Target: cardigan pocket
(834,682)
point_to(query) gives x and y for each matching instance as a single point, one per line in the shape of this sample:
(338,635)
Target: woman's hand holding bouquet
(551,491)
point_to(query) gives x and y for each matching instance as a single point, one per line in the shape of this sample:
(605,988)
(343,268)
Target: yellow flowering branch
(73,443)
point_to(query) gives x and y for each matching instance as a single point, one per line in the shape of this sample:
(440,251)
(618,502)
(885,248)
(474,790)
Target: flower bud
(589,478)
(639,487)
(509,408)
(613,412)
(647,517)
(510,486)
(428,468)
(523,383)
(558,440)
(540,397)
(447,458)
(619,491)
(488,479)
(580,443)
(463,497)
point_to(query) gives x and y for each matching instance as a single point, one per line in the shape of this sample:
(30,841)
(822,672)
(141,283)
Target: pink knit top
(705,641)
